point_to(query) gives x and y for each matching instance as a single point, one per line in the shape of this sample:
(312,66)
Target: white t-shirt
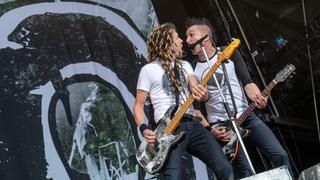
(214,107)
(154,80)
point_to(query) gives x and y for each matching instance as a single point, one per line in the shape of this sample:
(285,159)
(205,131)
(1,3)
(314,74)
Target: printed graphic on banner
(70,69)
(68,80)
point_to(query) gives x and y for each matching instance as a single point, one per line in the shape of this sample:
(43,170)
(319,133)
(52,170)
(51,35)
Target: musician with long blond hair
(169,80)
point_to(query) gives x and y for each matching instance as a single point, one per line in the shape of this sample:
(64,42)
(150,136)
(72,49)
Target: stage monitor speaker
(312,173)
(280,173)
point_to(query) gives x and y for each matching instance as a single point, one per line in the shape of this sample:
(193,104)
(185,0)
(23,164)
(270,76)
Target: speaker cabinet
(280,173)
(312,173)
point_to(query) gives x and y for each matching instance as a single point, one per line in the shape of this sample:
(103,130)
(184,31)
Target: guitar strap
(176,90)
(224,69)
(229,89)
(148,107)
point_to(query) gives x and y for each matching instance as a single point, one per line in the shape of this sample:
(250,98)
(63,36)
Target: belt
(224,123)
(188,117)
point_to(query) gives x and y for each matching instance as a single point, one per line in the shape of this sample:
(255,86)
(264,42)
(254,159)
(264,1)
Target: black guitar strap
(176,90)
(229,89)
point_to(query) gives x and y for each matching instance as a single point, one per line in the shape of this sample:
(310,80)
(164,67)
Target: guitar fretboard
(225,54)
(175,121)
(251,107)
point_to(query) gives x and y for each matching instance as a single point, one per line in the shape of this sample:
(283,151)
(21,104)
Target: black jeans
(263,138)
(198,142)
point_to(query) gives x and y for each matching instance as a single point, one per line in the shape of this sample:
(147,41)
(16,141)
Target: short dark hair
(201,21)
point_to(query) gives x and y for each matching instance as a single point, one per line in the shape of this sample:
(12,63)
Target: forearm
(138,108)
(198,91)
(192,81)
(254,94)
(252,91)
(203,121)
(138,114)
(139,119)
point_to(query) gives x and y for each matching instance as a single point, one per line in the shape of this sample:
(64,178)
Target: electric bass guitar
(231,148)
(152,156)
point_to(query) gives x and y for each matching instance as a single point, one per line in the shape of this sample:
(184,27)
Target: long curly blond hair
(159,43)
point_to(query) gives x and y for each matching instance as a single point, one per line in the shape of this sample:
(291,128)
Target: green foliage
(109,124)
(108,127)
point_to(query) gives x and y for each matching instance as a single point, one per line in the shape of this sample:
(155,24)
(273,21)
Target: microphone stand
(231,117)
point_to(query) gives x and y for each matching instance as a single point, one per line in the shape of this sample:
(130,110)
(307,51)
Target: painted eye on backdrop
(87,61)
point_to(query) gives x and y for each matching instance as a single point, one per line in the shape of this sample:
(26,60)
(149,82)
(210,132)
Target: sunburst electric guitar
(231,148)
(152,156)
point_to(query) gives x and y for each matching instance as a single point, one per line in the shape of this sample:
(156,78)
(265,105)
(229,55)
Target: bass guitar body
(152,156)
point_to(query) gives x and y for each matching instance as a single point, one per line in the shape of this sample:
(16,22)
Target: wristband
(143,127)
(209,128)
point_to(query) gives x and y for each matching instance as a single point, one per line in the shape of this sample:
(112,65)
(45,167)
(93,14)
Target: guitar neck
(251,107)
(175,121)
(205,80)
